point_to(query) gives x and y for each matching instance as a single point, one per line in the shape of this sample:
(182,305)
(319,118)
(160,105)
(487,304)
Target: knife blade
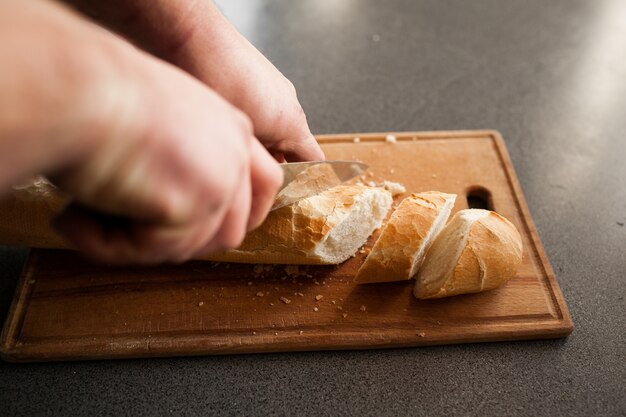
(305,179)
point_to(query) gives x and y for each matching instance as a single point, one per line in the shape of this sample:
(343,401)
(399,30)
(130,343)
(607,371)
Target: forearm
(59,83)
(163,27)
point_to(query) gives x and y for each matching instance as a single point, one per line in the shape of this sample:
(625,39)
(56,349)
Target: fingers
(287,134)
(266,177)
(300,149)
(120,240)
(235,223)
(99,237)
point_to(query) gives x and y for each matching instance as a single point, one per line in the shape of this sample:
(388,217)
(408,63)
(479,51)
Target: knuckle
(217,193)
(290,87)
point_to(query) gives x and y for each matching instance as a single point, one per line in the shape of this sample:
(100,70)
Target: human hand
(182,174)
(197,37)
(135,139)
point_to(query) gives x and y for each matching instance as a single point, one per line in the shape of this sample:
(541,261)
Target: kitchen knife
(304,179)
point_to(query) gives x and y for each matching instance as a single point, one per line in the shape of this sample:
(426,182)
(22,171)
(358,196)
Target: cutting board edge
(408,338)
(12,326)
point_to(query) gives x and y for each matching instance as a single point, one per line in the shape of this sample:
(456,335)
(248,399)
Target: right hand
(182,170)
(128,137)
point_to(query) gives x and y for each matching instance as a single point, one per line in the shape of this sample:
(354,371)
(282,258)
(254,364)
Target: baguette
(477,251)
(326,228)
(26,215)
(400,249)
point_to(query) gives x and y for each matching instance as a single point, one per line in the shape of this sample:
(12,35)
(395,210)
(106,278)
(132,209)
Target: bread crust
(292,234)
(27,213)
(488,251)
(400,249)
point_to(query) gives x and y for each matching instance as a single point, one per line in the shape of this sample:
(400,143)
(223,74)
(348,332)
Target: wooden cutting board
(66,308)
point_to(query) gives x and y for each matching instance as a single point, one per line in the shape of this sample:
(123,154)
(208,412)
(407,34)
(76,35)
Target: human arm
(125,135)
(195,36)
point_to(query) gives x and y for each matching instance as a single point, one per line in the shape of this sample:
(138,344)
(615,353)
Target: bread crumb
(333,301)
(363,308)
(339,308)
(392,171)
(344,315)
(300,332)
(201,303)
(395,188)
(421,334)
(260,294)
(390,139)
(315,309)
(371,184)
(356,140)
(275,333)
(253,332)
(318,297)
(285,300)
(299,294)
(433,175)
(272,304)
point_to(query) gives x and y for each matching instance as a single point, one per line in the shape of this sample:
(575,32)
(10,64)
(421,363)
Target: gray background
(549,75)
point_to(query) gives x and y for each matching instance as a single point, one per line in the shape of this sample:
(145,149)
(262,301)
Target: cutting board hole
(479,198)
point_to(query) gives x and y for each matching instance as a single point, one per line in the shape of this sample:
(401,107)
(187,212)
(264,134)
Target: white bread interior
(327,228)
(400,249)
(477,251)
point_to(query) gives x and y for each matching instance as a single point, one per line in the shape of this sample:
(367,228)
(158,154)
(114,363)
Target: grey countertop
(549,75)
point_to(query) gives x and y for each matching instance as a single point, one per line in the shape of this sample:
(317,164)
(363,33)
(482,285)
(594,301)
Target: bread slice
(400,249)
(326,228)
(477,251)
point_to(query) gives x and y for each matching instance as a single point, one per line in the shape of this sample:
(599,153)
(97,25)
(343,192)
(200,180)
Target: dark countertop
(551,77)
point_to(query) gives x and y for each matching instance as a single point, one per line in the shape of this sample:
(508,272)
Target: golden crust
(290,234)
(27,213)
(398,252)
(490,256)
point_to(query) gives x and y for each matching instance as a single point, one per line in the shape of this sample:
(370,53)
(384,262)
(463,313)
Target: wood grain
(66,308)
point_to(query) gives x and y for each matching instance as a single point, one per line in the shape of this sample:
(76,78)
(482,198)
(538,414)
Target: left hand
(195,36)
